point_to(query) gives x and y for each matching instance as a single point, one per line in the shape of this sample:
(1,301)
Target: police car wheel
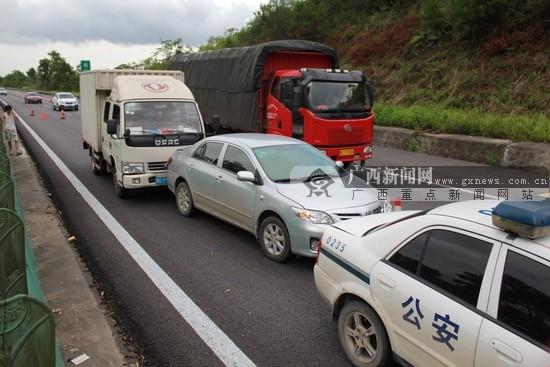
(274,239)
(184,200)
(363,336)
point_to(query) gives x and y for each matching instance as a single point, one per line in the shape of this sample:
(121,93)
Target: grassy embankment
(476,67)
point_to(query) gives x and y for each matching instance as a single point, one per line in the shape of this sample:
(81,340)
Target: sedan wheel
(184,200)
(363,336)
(274,239)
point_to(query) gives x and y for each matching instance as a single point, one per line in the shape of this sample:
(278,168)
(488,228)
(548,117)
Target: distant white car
(64,101)
(3,92)
(445,287)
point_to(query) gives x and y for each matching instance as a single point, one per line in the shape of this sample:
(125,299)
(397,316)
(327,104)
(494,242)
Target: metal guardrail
(27,326)
(27,333)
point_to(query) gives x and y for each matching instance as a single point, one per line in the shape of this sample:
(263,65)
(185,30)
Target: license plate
(161,180)
(346,152)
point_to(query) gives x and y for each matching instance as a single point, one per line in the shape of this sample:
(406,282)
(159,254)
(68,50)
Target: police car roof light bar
(527,219)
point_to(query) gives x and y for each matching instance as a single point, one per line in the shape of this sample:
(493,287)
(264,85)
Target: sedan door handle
(386,281)
(219,179)
(506,350)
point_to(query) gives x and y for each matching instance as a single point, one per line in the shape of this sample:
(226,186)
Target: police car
(465,284)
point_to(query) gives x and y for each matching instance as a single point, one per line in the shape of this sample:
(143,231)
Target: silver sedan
(282,190)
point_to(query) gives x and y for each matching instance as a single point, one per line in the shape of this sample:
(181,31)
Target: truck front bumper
(148,179)
(355,153)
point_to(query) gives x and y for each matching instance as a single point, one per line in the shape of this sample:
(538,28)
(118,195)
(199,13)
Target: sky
(109,32)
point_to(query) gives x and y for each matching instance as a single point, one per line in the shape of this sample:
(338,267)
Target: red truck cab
(329,109)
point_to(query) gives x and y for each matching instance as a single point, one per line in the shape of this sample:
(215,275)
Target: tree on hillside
(31,76)
(15,79)
(55,73)
(160,58)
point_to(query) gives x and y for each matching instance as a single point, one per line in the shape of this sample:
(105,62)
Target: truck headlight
(132,168)
(313,216)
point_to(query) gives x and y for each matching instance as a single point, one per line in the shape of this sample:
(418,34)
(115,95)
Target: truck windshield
(161,117)
(337,96)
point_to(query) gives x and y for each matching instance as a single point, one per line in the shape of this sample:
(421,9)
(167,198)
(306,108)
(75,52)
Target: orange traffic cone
(397,205)
(62,117)
(32,112)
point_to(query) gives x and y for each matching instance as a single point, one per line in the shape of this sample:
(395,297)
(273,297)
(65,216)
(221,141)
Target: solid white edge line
(224,348)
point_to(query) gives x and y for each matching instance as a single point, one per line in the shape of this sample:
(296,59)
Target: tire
(53,107)
(96,170)
(76,109)
(184,199)
(363,336)
(274,239)
(120,191)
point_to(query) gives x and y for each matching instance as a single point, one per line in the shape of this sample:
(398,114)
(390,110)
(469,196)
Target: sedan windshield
(66,95)
(33,94)
(336,96)
(283,163)
(161,117)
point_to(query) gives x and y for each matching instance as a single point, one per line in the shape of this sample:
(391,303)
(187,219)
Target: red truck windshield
(337,96)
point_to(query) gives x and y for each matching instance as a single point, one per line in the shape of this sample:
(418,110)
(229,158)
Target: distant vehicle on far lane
(64,101)
(3,92)
(32,97)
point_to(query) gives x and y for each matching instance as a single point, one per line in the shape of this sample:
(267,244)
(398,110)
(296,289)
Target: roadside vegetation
(477,67)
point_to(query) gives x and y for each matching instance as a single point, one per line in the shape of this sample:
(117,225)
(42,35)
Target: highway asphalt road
(272,312)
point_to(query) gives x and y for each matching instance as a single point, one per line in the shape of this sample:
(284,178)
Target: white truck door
(518,331)
(429,291)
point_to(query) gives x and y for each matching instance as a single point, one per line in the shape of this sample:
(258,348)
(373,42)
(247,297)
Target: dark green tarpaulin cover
(225,81)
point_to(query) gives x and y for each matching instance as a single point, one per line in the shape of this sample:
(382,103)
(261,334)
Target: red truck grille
(337,136)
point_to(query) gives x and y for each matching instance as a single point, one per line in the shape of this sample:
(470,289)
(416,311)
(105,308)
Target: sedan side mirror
(340,164)
(111,126)
(246,176)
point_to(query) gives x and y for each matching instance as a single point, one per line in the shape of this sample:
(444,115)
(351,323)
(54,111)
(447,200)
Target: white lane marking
(207,330)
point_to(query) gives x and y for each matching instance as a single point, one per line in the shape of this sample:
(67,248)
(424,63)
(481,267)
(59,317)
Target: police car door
(517,332)
(429,290)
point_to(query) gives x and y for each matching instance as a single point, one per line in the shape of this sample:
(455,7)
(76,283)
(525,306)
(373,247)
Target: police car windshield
(161,117)
(388,224)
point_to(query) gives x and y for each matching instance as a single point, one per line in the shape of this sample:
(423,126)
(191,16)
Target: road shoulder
(81,323)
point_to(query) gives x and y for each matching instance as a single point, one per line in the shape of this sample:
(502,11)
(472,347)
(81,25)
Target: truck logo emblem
(348,128)
(155,87)
(166,142)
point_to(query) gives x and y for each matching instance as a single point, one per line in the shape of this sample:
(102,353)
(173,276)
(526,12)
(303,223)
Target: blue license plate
(161,180)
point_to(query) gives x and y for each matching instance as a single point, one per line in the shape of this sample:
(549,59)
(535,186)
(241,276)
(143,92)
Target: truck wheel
(97,170)
(363,336)
(184,199)
(274,239)
(120,191)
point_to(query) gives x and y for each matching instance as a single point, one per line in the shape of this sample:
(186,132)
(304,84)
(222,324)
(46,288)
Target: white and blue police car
(465,284)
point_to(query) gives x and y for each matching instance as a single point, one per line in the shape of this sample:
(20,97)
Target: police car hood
(336,196)
(359,226)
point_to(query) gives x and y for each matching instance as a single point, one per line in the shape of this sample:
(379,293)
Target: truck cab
(329,108)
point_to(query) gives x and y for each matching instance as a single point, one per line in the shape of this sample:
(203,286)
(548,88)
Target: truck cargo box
(227,81)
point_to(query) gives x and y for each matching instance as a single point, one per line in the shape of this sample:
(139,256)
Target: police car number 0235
(335,244)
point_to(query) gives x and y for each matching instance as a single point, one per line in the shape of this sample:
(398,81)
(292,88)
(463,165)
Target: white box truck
(132,122)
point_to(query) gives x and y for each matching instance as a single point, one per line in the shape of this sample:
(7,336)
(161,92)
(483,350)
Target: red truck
(292,88)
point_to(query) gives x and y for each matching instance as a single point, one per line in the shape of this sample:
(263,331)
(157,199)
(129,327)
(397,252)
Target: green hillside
(479,67)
